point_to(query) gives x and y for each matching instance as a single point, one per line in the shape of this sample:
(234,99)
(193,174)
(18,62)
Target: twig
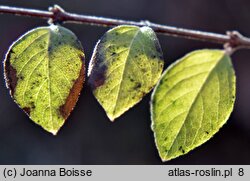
(232,39)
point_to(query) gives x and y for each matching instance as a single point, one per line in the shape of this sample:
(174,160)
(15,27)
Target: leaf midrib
(123,71)
(49,82)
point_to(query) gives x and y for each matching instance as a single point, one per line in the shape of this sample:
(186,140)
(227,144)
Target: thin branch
(232,39)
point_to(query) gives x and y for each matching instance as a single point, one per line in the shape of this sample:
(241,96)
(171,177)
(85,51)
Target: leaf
(192,101)
(126,64)
(44,70)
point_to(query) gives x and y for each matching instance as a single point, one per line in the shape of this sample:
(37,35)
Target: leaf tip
(54,132)
(111,117)
(165,157)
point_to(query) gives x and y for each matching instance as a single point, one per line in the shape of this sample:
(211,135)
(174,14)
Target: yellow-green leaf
(192,101)
(44,70)
(126,64)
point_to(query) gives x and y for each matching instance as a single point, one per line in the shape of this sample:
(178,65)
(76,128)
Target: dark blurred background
(88,137)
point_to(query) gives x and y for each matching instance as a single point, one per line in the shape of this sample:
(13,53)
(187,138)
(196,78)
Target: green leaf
(192,101)
(44,70)
(126,64)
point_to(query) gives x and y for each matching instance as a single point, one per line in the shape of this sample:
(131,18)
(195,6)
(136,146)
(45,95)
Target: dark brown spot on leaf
(27,110)
(72,98)
(97,77)
(138,85)
(181,149)
(10,74)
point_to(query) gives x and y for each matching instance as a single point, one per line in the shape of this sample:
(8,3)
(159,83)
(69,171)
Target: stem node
(58,15)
